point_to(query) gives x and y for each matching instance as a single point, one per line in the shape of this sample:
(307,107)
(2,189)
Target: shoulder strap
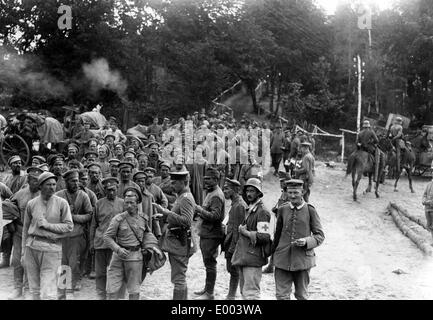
(132,229)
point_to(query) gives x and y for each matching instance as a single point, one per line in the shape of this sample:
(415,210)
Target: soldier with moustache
(74,245)
(210,229)
(106,209)
(297,233)
(177,239)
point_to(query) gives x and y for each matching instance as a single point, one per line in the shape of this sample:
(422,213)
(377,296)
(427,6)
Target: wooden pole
(342,146)
(358,125)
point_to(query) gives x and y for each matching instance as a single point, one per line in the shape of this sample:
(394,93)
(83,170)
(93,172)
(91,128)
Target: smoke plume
(101,77)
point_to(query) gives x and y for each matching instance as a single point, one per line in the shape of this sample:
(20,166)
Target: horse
(362,163)
(407,162)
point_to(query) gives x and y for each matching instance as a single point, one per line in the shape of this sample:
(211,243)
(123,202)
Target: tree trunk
(278,96)
(271,100)
(251,89)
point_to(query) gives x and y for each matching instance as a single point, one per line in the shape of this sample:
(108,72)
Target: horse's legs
(409,177)
(398,174)
(369,183)
(355,183)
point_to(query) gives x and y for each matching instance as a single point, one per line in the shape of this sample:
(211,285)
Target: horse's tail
(350,164)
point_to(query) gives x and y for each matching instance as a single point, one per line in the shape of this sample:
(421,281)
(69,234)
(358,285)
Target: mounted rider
(396,137)
(367,139)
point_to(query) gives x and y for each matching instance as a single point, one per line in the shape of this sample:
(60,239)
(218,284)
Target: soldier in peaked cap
(211,215)
(106,208)
(254,228)
(114,167)
(37,160)
(129,236)
(20,199)
(74,245)
(294,242)
(236,216)
(95,177)
(178,240)
(154,158)
(396,136)
(164,182)
(47,219)
(158,196)
(125,172)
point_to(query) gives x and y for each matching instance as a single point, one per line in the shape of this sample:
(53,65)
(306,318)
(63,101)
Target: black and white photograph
(218,150)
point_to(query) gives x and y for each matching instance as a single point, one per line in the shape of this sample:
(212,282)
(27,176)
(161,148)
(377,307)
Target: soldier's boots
(178,294)
(201,292)
(112,296)
(206,296)
(17,294)
(233,286)
(134,296)
(5,261)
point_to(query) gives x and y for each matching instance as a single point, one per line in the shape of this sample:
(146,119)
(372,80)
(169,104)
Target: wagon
(27,134)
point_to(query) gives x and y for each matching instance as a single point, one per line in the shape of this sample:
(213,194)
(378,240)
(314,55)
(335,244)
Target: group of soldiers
(111,206)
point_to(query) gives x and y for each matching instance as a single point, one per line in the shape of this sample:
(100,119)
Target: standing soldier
(164,182)
(106,209)
(255,231)
(156,191)
(47,219)
(125,171)
(210,230)
(177,240)
(75,243)
(95,180)
(21,198)
(277,141)
(127,235)
(294,145)
(147,208)
(154,159)
(298,231)
(284,198)
(14,181)
(306,172)
(236,216)
(57,168)
(396,136)
(114,167)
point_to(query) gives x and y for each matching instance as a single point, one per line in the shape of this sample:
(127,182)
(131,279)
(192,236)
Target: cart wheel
(12,145)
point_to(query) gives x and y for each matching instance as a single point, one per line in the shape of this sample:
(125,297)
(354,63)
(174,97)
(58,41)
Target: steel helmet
(256,183)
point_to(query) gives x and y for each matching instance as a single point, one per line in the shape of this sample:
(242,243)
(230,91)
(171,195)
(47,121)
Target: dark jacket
(294,223)
(236,217)
(212,215)
(254,255)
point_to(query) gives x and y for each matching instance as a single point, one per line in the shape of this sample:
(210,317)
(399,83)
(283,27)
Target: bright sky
(330,5)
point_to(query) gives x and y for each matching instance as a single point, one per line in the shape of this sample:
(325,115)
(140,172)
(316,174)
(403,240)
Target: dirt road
(361,250)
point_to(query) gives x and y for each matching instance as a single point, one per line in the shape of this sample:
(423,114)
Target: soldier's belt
(136,248)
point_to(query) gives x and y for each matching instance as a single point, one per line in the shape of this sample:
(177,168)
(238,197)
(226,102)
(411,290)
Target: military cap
(34,171)
(306,144)
(151,143)
(129,152)
(130,190)
(366,124)
(13,159)
(120,144)
(46,176)
(232,182)
(165,164)
(104,146)
(166,119)
(142,154)
(398,118)
(256,183)
(125,164)
(150,169)
(70,174)
(110,182)
(52,159)
(112,119)
(43,167)
(139,174)
(109,135)
(88,153)
(73,146)
(179,175)
(114,161)
(93,164)
(212,173)
(295,184)
(40,158)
